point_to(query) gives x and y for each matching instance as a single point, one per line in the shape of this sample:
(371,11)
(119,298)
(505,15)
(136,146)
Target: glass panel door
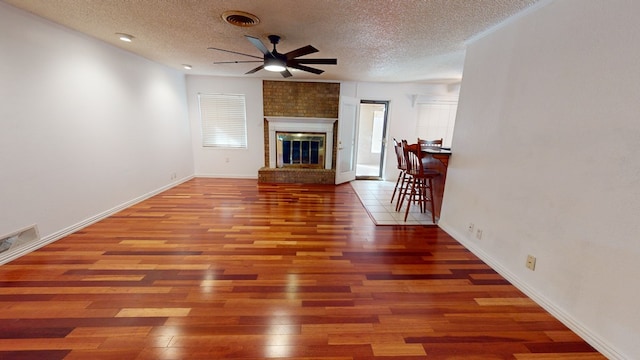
(372,124)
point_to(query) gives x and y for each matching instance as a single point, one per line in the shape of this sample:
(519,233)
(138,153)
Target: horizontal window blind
(224,121)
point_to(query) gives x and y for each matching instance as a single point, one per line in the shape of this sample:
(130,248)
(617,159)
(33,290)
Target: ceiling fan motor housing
(274,39)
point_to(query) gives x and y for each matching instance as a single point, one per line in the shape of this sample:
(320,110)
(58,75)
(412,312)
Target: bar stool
(420,186)
(402,166)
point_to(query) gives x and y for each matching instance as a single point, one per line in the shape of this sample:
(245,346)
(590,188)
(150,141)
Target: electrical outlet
(531,262)
(479,234)
(471,226)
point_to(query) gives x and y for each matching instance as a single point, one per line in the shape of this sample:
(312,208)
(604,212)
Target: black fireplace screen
(300,149)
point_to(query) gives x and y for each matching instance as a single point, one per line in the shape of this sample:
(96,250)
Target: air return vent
(18,238)
(240,18)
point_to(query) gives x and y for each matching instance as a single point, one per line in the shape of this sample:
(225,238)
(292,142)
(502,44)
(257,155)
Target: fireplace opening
(303,150)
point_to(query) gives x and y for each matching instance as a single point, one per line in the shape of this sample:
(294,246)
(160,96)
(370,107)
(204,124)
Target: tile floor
(376,197)
(367,170)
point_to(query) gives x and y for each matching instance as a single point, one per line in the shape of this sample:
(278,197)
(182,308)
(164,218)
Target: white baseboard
(17,252)
(574,324)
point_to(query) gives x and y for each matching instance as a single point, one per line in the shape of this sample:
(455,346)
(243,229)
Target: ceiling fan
(277,62)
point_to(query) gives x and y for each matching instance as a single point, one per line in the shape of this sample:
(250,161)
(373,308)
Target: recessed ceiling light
(187,66)
(125,37)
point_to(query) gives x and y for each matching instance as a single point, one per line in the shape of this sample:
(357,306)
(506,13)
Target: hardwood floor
(216,269)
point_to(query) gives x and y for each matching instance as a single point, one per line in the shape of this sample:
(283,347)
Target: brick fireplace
(302,126)
(304,110)
(277,172)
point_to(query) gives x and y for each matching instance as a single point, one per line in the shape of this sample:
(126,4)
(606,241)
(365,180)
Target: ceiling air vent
(240,18)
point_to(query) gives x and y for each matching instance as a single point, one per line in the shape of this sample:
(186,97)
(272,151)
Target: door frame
(384,138)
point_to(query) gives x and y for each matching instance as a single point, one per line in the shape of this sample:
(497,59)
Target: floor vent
(18,238)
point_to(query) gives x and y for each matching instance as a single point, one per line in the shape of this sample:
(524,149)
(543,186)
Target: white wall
(230,163)
(545,163)
(84,127)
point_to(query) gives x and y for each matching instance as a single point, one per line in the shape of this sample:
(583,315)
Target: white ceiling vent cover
(240,18)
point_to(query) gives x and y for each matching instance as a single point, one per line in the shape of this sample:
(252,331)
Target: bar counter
(437,159)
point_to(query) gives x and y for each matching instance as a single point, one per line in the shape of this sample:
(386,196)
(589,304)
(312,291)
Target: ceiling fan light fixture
(275,65)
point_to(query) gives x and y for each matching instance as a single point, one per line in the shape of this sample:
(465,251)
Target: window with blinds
(224,120)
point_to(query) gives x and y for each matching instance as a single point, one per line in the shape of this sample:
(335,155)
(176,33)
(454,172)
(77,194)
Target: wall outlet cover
(531,262)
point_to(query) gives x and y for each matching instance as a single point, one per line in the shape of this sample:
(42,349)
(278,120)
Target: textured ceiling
(373,40)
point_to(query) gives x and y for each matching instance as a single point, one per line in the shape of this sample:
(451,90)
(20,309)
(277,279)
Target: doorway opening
(372,130)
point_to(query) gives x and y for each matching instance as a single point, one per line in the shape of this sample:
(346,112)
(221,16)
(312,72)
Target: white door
(347,134)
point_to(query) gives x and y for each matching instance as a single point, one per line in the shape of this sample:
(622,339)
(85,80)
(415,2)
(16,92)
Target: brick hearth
(296,175)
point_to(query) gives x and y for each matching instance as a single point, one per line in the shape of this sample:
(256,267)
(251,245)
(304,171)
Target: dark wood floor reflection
(216,269)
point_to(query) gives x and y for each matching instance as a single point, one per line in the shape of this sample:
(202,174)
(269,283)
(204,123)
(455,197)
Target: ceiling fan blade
(257,43)
(234,52)
(315,61)
(255,70)
(286,74)
(305,50)
(236,62)
(306,68)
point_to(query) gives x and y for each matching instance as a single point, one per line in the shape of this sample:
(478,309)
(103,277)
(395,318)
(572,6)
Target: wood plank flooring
(229,269)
